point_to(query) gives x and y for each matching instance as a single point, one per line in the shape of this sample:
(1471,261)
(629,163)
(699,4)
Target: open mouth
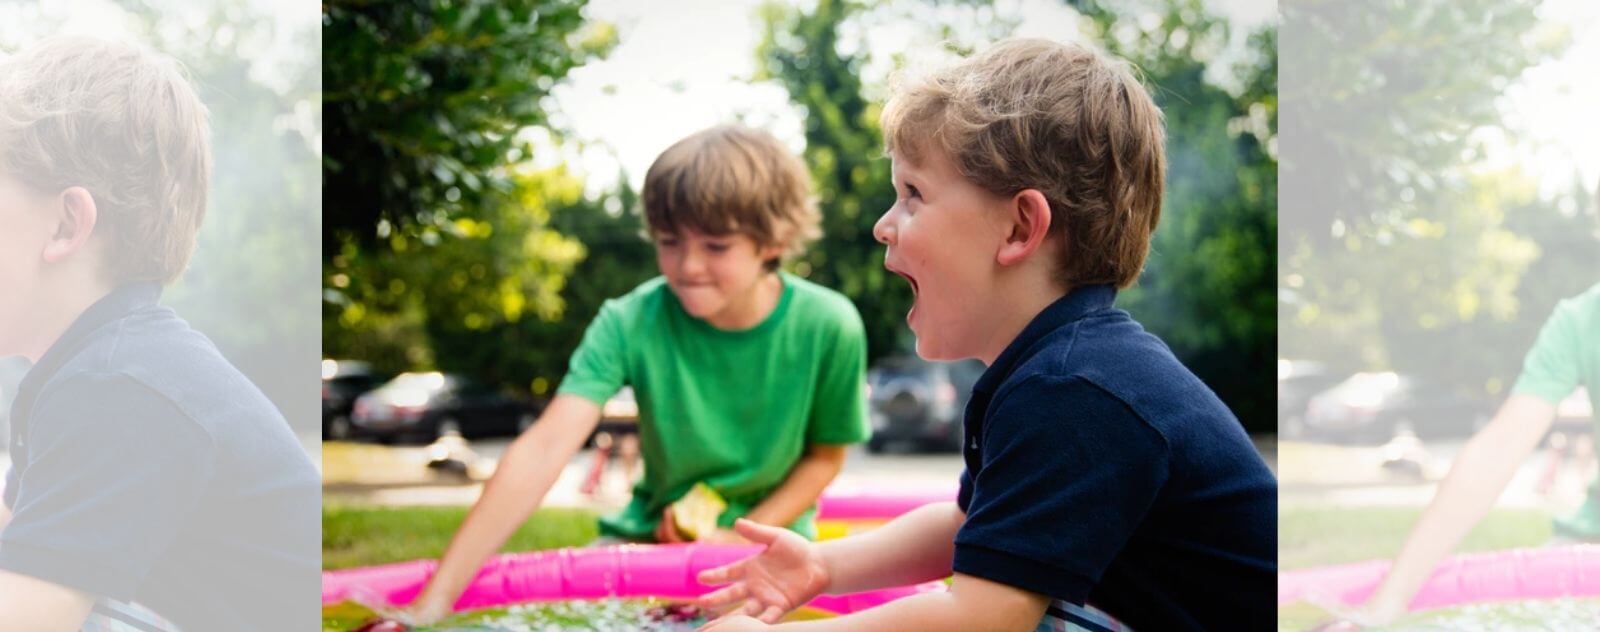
(908,278)
(915,290)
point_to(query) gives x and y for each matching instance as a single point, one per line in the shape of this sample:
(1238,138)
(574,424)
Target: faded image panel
(1439,314)
(159,205)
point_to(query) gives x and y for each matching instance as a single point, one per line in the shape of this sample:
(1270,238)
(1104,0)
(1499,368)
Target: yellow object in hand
(695,515)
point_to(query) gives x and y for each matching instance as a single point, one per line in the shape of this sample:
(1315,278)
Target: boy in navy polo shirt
(151,485)
(1105,484)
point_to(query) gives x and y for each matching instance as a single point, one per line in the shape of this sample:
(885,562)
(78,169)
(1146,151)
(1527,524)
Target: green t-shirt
(1567,353)
(732,409)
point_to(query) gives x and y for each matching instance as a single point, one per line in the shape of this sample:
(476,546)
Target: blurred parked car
(342,382)
(1298,382)
(1373,406)
(429,405)
(918,402)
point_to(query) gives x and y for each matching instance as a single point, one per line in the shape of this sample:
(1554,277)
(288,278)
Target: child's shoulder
(649,295)
(1117,356)
(821,305)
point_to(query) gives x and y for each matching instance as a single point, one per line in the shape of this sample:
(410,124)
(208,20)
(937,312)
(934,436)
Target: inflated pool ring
(1541,573)
(846,504)
(664,571)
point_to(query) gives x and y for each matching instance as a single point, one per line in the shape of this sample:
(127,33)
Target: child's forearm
(806,480)
(971,604)
(916,547)
(1480,473)
(525,473)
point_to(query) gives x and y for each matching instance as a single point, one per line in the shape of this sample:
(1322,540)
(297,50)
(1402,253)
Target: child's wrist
(829,570)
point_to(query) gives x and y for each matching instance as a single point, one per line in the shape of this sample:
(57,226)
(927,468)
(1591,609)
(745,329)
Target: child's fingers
(723,596)
(771,614)
(667,530)
(722,574)
(756,532)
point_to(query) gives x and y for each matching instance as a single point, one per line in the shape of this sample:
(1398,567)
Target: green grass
(363,536)
(1319,536)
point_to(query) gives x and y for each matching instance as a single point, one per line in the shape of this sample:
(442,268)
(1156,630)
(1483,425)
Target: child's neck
(60,305)
(1025,296)
(751,309)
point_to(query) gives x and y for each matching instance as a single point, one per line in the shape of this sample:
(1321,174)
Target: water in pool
(1552,614)
(606,615)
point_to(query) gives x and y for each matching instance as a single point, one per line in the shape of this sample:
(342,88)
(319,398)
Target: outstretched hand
(789,573)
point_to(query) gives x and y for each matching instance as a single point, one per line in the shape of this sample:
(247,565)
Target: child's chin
(928,351)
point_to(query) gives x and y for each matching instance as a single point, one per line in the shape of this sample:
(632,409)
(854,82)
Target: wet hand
(789,573)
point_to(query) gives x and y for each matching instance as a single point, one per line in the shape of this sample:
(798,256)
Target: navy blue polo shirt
(147,468)
(1101,471)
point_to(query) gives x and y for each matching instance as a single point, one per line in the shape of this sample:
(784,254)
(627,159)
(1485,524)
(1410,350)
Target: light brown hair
(1063,119)
(731,179)
(123,123)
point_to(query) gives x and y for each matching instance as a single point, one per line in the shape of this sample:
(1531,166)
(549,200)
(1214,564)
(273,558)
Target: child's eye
(913,193)
(666,242)
(716,247)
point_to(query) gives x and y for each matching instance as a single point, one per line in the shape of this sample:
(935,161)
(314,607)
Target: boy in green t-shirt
(749,380)
(1564,357)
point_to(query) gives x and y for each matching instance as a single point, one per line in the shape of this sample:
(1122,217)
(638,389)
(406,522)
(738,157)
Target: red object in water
(382,625)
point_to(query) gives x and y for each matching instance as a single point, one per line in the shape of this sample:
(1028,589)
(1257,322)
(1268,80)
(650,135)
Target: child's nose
(692,263)
(883,230)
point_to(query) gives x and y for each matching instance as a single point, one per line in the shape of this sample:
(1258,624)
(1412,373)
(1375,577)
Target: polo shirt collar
(1078,303)
(120,302)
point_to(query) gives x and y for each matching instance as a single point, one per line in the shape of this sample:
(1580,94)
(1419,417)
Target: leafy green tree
(1398,251)
(426,100)
(439,251)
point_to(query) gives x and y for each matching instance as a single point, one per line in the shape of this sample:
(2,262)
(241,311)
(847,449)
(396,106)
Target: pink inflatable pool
(630,570)
(664,571)
(1544,573)
(861,504)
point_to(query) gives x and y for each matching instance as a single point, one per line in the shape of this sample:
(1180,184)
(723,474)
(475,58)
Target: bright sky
(1550,112)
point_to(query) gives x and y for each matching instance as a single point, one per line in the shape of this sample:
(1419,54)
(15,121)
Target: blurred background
(1440,173)
(255,65)
(481,200)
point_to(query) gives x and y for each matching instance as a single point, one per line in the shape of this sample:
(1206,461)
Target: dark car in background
(1374,406)
(919,403)
(429,405)
(1298,382)
(342,382)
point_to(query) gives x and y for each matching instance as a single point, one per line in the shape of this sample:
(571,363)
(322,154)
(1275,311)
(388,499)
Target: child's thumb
(756,532)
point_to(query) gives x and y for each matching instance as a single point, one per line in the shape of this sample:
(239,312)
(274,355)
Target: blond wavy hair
(1062,119)
(123,123)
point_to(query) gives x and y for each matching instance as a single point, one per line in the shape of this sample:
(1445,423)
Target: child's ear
(76,216)
(1028,214)
(771,252)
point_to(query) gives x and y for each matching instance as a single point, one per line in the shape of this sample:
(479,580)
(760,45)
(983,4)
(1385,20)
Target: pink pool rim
(665,571)
(1521,574)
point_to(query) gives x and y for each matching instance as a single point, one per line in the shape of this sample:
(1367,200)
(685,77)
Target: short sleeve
(1551,369)
(1068,474)
(114,471)
(839,413)
(598,368)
